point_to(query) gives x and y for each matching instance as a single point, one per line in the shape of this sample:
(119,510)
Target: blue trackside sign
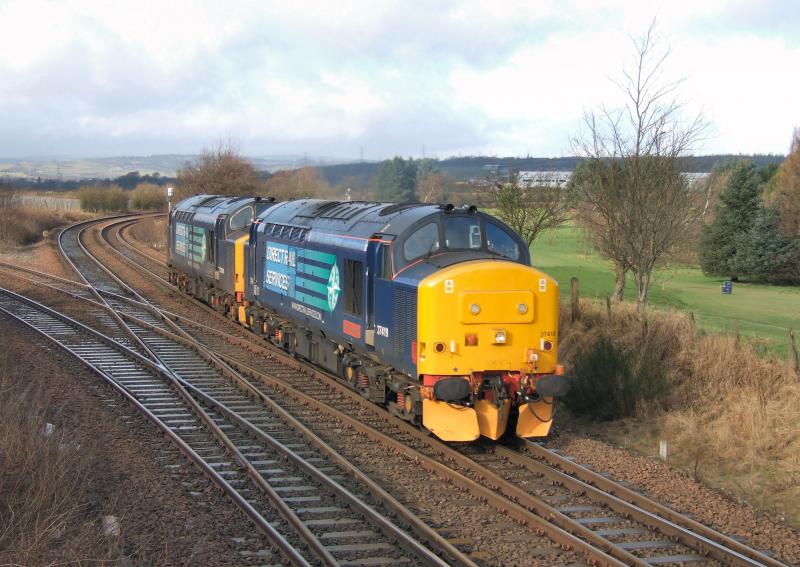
(308,276)
(727,287)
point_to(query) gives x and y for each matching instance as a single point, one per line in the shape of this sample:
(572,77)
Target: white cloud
(328,77)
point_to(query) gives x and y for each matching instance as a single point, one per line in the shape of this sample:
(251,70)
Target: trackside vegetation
(728,412)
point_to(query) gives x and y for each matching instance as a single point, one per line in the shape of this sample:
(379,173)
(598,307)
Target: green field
(764,312)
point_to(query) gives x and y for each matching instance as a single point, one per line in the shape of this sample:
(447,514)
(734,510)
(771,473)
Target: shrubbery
(148,197)
(609,382)
(716,393)
(103,199)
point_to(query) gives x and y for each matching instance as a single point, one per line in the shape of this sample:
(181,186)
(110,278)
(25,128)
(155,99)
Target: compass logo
(333,287)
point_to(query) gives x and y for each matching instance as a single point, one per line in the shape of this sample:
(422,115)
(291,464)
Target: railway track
(148,389)
(303,480)
(606,522)
(580,501)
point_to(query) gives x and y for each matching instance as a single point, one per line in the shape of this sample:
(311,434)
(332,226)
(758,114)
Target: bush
(610,383)
(106,199)
(148,197)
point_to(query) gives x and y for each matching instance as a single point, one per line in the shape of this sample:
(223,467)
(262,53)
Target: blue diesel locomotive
(431,310)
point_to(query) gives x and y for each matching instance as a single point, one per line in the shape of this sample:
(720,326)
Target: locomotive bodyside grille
(405,318)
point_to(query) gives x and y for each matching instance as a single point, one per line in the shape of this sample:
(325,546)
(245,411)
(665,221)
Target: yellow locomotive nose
(486,320)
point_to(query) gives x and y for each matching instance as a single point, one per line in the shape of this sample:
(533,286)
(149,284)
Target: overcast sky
(92,78)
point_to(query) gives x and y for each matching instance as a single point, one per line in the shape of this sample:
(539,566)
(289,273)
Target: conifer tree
(735,215)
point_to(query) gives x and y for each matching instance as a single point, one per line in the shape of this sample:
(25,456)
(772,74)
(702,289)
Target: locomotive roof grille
(212,201)
(397,207)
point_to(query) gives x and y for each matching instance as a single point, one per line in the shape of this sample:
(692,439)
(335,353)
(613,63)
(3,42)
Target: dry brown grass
(45,515)
(20,225)
(151,231)
(729,408)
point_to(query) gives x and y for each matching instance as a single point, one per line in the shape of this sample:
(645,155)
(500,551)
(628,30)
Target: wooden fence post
(575,287)
(692,324)
(795,359)
(608,314)
(736,331)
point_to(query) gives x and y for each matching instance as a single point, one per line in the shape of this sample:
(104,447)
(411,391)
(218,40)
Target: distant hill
(110,167)
(355,174)
(465,168)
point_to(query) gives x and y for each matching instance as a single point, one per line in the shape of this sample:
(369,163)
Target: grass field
(764,312)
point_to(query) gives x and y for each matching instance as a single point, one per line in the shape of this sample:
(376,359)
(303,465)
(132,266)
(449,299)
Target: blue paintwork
(296,246)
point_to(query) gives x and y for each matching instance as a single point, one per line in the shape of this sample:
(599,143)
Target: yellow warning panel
(492,420)
(535,418)
(450,422)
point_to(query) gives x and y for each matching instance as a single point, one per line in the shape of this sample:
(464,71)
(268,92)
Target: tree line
(473,167)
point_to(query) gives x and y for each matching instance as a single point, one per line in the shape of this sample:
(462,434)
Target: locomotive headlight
(500,337)
(474,308)
(522,308)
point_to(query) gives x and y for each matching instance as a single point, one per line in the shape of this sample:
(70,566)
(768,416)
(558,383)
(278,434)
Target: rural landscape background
(659,188)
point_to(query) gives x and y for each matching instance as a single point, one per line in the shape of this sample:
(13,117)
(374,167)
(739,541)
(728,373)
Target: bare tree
(221,170)
(635,202)
(530,209)
(297,183)
(598,213)
(433,188)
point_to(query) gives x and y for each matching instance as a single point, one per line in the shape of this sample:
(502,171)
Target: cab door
(379,291)
(216,237)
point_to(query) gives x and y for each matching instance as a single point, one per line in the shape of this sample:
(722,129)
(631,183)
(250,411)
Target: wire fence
(46,202)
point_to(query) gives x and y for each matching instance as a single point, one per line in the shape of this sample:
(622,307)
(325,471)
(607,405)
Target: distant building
(543,178)
(560,178)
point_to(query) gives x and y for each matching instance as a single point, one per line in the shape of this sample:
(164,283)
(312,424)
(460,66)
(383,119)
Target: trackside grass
(764,312)
(729,410)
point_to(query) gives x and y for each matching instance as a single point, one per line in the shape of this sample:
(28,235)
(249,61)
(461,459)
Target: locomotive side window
(462,233)
(500,242)
(353,292)
(424,241)
(242,219)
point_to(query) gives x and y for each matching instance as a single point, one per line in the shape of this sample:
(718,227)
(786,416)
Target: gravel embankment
(681,492)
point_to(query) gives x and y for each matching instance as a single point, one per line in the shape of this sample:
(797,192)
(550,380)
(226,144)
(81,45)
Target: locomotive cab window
(424,241)
(500,242)
(462,233)
(242,219)
(353,292)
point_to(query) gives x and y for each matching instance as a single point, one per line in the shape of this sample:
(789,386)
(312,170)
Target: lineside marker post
(575,287)
(793,352)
